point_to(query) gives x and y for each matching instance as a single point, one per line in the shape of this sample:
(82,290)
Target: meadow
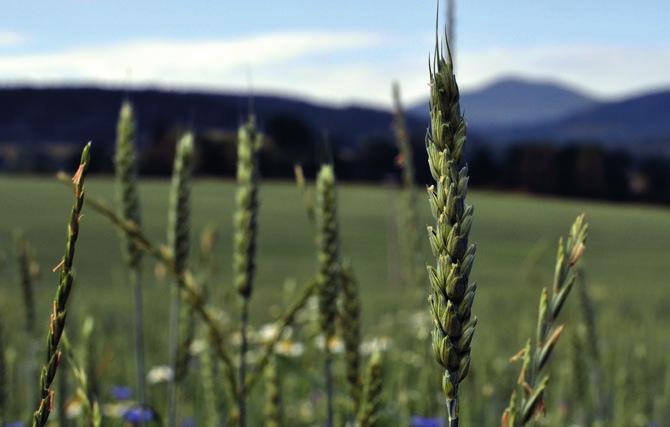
(625,265)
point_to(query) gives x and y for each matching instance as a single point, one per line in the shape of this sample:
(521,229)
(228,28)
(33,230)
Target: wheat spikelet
(273,401)
(328,274)
(372,396)
(350,325)
(535,355)
(57,318)
(244,241)
(179,244)
(451,294)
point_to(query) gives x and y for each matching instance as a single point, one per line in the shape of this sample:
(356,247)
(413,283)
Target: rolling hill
(517,102)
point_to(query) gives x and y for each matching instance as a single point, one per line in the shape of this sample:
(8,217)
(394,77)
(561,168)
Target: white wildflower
(159,374)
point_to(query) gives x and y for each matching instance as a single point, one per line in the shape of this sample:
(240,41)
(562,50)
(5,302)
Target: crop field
(625,271)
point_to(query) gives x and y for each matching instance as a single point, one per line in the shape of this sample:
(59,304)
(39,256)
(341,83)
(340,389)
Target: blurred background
(568,109)
(567,99)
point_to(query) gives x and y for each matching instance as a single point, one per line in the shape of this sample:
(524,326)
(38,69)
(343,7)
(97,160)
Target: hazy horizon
(334,52)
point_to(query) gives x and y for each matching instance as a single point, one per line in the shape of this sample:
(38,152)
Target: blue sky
(336,51)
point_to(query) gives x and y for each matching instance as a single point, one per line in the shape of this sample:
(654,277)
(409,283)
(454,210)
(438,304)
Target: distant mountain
(63,115)
(516,102)
(638,119)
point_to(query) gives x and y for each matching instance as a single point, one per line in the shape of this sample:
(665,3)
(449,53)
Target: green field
(627,266)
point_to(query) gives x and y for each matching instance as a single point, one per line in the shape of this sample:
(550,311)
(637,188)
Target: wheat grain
(451,293)
(57,318)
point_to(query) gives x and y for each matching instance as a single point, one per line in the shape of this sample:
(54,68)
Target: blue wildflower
(13,424)
(426,422)
(188,422)
(137,415)
(119,392)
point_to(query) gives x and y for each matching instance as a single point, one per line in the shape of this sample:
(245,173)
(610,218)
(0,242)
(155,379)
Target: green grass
(626,261)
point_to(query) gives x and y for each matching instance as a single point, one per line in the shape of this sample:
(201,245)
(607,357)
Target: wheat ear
(372,397)
(58,314)
(125,163)
(244,241)
(274,416)
(409,216)
(350,325)
(26,268)
(535,355)
(179,242)
(328,274)
(90,407)
(451,293)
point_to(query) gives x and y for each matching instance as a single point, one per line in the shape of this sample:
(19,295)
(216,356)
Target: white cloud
(332,66)
(217,63)
(10,38)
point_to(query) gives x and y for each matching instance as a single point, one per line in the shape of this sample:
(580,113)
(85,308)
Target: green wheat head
(244,250)
(372,397)
(451,293)
(65,279)
(26,277)
(350,325)
(179,208)
(125,163)
(409,237)
(179,238)
(328,250)
(537,352)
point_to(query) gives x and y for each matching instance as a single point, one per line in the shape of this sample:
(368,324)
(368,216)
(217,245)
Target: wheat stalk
(350,325)
(451,294)
(211,387)
(58,314)
(535,355)
(3,377)
(409,237)
(125,163)
(27,269)
(179,242)
(372,397)
(328,273)
(244,241)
